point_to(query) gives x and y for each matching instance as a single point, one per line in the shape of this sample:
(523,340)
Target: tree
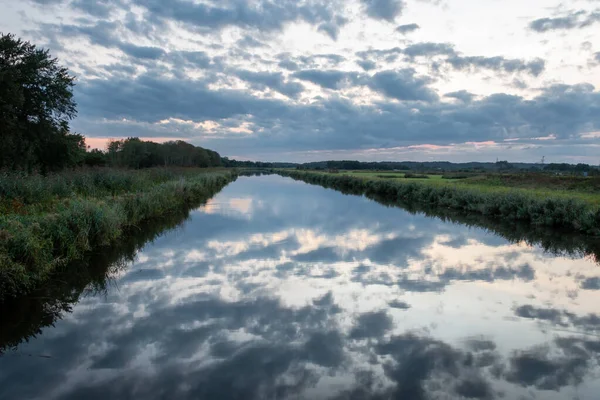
(95,158)
(36,105)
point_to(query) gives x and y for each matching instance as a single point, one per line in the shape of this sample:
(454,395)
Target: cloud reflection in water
(276,289)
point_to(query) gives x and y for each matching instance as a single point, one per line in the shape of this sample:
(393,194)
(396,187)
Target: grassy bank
(569,211)
(533,185)
(48,222)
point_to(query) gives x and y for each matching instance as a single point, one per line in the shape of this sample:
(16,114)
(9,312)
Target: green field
(538,186)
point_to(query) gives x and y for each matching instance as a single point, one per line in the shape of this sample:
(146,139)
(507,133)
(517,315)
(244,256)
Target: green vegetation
(569,210)
(136,153)
(416,176)
(48,222)
(537,185)
(36,103)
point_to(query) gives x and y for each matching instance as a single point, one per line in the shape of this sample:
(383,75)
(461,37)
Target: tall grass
(511,205)
(93,209)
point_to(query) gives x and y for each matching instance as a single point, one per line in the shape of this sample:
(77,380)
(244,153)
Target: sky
(309,80)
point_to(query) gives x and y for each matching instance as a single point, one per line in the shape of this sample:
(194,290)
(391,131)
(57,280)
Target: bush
(416,176)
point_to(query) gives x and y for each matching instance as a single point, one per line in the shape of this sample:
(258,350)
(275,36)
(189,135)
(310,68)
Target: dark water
(276,289)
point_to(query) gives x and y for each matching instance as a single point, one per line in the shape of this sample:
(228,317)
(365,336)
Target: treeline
(446,166)
(226,162)
(564,167)
(136,153)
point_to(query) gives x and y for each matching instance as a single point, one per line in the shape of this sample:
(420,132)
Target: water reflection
(276,289)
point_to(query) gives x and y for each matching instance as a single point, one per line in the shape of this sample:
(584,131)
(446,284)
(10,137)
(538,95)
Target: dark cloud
(535,67)
(193,59)
(367,65)
(418,361)
(559,317)
(536,367)
(152,53)
(249,42)
(99,8)
(263,15)
(597,56)
(272,80)
(461,95)
(524,272)
(386,10)
(455,59)
(428,49)
(399,304)
(404,29)
(591,283)
(571,20)
(371,325)
(328,79)
(289,65)
(333,28)
(403,85)
(388,55)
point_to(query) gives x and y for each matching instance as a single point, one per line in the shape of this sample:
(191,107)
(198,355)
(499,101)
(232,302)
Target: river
(277,289)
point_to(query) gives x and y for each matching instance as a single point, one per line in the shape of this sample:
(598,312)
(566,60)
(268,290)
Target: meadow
(540,186)
(48,222)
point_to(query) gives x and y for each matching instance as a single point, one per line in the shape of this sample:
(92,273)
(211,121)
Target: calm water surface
(276,289)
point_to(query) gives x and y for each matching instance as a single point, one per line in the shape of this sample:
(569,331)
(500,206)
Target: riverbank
(547,208)
(46,223)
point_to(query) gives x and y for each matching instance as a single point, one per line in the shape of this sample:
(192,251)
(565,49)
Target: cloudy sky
(304,80)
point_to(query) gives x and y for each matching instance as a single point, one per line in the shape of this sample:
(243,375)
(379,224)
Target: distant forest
(430,166)
(136,153)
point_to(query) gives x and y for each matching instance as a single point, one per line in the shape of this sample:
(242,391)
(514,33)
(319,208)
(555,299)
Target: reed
(83,211)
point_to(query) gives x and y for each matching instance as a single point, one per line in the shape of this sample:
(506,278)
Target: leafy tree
(136,153)
(95,158)
(36,104)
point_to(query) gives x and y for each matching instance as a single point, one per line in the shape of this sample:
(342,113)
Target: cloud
(461,95)
(371,325)
(535,67)
(333,28)
(328,79)
(99,8)
(249,42)
(427,49)
(592,283)
(148,52)
(571,20)
(408,28)
(272,80)
(386,10)
(367,65)
(263,15)
(403,85)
